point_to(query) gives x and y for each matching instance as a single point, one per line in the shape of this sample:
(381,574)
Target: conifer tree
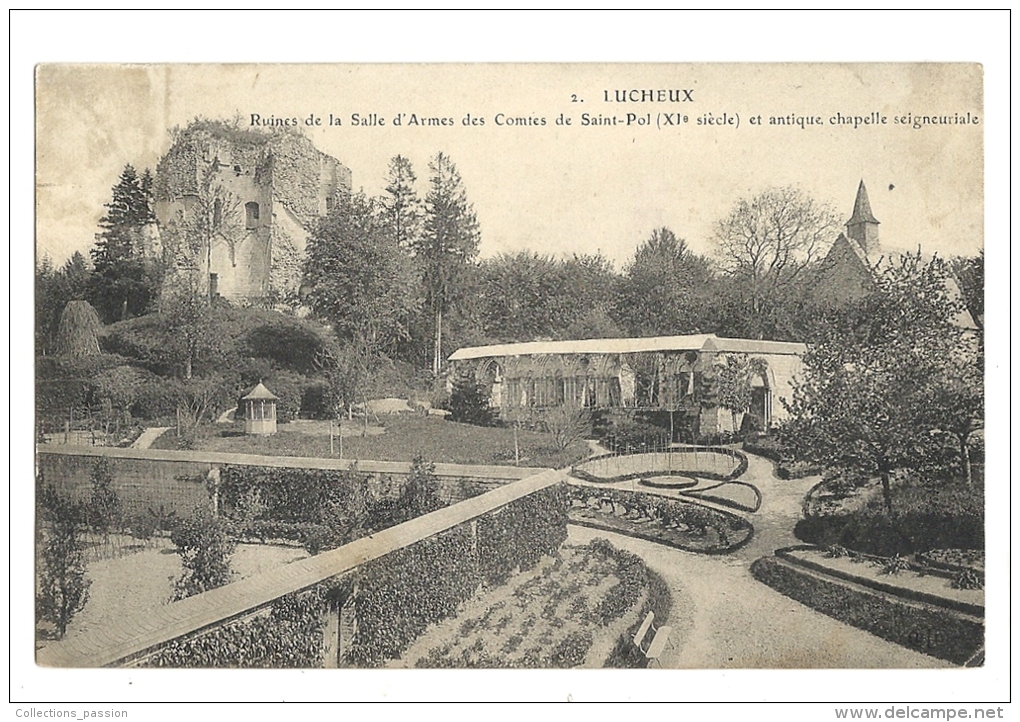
(401,206)
(129,210)
(448,244)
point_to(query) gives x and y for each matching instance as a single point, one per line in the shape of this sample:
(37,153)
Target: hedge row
(406,591)
(290,636)
(289,494)
(786,467)
(923,518)
(925,628)
(398,596)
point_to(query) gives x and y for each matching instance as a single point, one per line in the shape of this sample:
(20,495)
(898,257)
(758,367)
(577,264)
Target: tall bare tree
(767,244)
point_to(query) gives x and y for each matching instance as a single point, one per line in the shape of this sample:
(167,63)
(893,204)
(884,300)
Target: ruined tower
(235,208)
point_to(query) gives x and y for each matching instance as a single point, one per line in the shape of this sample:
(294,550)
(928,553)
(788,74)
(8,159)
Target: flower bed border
(633,531)
(697,494)
(936,630)
(786,553)
(710,475)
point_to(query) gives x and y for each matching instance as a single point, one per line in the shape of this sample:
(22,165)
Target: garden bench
(659,638)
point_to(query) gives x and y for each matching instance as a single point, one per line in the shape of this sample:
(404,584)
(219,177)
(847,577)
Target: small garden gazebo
(260,411)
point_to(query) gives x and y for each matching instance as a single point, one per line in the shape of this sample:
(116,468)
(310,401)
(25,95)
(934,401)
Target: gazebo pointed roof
(260,392)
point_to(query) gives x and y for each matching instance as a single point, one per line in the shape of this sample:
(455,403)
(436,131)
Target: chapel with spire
(848,270)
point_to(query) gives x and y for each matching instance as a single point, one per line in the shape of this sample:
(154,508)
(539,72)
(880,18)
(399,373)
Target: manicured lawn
(403,437)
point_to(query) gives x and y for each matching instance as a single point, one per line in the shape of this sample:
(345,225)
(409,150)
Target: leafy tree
(204,544)
(63,587)
(346,370)
(359,277)
(970,273)
(448,245)
(767,245)
(590,289)
(869,403)
(187,326)
(520,296)
(957,402)
(125,288)
(663,289)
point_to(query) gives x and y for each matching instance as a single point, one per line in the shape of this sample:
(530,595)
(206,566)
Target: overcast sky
(552,188)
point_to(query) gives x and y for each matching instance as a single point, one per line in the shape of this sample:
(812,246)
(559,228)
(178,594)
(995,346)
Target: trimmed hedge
(290,494)
(406,591)
(923,518)
(737,472)
(786,467)
(925,628)
(290,636)
(396,597)
(786,553)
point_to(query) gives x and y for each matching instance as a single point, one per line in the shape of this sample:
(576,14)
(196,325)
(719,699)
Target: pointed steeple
(863,226)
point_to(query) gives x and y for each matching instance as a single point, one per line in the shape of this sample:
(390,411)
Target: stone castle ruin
(235,209)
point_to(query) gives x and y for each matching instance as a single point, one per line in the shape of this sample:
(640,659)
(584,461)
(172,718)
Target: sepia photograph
(647,367)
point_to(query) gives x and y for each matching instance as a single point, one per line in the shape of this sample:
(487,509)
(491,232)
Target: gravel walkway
(723,618)
(145,439)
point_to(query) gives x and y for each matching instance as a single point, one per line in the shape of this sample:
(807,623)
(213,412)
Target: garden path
(723,618)
(144,441)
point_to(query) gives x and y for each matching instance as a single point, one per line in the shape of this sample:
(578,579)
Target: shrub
(469,403)
(143,526)
(837,551)
(895,564)
(567,424)
(204,544)
(420,493)
(104,507)
(63,587)
(315,400)
(967,579)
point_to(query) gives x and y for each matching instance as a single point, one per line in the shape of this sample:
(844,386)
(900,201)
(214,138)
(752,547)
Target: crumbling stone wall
(284,173)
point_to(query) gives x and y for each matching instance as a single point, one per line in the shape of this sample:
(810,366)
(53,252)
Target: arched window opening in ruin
(251,215)
(330,202)
(217,213)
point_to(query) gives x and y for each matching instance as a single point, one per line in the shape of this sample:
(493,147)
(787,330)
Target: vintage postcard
(538,366)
